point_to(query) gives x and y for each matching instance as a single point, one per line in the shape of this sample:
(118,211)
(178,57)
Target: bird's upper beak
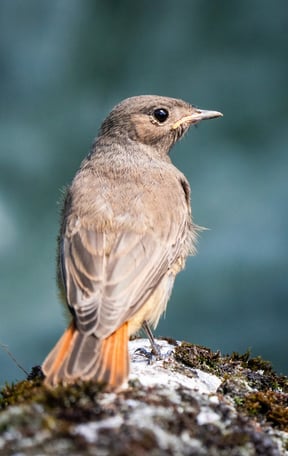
(197,116)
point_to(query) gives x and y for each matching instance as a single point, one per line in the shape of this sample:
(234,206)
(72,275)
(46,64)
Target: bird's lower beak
(197,116)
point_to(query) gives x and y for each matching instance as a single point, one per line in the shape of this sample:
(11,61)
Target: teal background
(63,65)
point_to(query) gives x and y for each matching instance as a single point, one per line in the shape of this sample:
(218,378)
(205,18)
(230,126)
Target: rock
(191,402)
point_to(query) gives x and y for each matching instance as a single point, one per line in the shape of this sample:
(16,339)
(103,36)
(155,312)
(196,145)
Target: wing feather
(106,286)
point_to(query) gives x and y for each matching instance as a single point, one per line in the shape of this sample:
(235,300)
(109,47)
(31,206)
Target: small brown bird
(126,232)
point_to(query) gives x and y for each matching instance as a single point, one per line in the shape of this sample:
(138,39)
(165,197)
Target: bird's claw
(149,355)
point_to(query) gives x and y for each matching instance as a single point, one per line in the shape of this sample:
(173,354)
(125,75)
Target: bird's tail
(81,356)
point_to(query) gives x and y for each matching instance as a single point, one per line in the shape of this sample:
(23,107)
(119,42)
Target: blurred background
(63,65)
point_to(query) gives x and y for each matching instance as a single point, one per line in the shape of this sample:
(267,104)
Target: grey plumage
(126,232)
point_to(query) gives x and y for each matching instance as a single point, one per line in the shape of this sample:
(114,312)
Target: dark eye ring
(161,114)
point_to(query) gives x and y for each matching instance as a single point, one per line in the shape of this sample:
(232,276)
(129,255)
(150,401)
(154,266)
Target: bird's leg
(155,349)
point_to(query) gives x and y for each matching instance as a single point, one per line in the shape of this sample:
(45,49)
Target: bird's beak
(197,116)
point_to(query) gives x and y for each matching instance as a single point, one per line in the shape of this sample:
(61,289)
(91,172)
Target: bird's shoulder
(138,195)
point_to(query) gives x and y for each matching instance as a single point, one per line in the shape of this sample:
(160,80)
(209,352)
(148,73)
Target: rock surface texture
(191,402)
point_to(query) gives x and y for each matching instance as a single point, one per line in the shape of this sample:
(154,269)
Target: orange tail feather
(57,356)
(84,357)
(114,364)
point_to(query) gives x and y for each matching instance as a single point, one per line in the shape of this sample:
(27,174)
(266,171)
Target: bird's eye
(161,114)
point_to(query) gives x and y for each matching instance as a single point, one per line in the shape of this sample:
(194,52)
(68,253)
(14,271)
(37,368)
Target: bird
(126,231)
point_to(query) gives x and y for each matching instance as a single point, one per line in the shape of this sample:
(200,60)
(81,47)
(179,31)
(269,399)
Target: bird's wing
(105,287)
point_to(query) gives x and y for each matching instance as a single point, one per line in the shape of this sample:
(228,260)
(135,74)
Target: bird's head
(153,120)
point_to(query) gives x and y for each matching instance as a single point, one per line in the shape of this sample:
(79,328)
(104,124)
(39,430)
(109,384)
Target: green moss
(238,401)
(77,402)
(257,372)
(255,364)
(240,373)
(270,406)
(199,357)
(18,393)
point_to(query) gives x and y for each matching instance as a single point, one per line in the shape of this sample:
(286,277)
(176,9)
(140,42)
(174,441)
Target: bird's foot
(151,355)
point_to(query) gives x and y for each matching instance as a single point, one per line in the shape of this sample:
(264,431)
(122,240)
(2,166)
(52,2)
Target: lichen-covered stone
(191,402)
